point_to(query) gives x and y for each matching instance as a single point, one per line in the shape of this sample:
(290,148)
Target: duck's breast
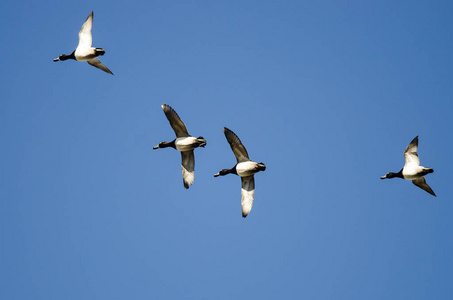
(84,54)
(186,143)
(246,168)
(411,172)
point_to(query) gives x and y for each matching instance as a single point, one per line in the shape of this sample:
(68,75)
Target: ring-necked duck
(412,169)
(84,51)
(245,168)
(184,142)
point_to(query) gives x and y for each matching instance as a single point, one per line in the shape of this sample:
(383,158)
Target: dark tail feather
(201,141)
(100,51)
(427,171)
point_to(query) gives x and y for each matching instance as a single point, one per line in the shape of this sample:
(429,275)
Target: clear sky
(326,94)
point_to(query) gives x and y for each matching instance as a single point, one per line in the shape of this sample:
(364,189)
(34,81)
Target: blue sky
(326,94)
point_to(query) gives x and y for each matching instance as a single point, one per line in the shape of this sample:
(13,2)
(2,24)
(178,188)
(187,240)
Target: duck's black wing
(238,149)
(175,122)
(421,183)
(97,63)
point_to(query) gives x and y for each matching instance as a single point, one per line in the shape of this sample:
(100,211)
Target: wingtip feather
(186,184)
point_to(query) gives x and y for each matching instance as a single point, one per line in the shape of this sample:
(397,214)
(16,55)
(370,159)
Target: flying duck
(184,142)
(412,169)
(84,51)
(245,168)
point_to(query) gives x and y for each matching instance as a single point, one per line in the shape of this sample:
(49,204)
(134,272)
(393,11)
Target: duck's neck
(399,174)
(228,171)
(65,56)
(167,144)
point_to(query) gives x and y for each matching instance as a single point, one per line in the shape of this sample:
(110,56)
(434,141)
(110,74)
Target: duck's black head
(165,145)
(65,57)
(393,175)
(224,172)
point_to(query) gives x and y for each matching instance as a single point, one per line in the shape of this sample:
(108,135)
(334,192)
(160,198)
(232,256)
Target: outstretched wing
(235,143)
(247,191)
(175,122)
(97,63)
(410,154)
(421,183)
(188,166)
(85,38)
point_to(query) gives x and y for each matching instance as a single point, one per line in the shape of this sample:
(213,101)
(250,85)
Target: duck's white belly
(84,54)
(246,168)
(186,143)
(412,172)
